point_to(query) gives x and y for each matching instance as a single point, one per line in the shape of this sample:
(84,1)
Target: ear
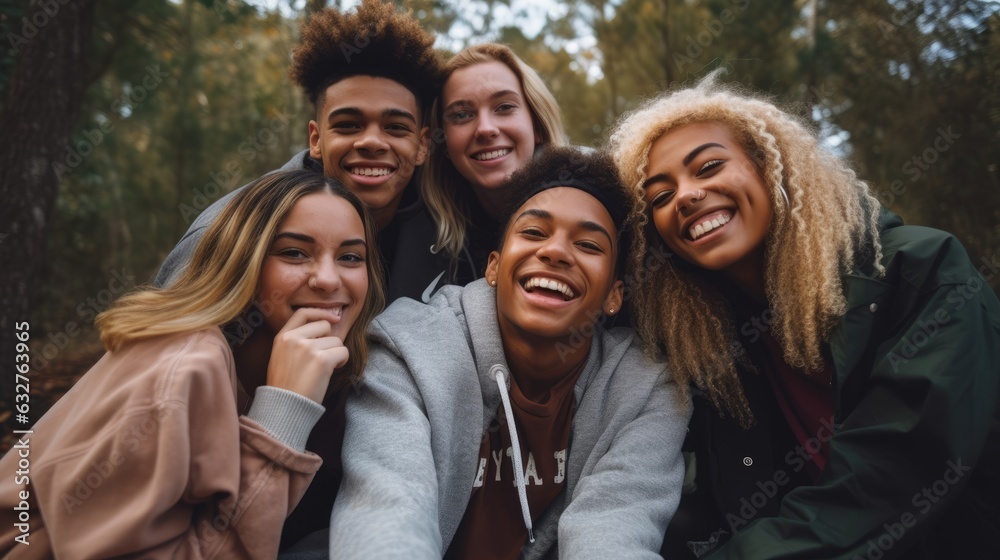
(615,298)
(314,147)
(425,143)
(493,268)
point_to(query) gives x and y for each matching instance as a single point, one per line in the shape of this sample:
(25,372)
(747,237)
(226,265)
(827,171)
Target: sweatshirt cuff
(286,415)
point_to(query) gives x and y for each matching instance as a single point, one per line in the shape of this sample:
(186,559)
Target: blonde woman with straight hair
(159,450)
(845,367)
(493,113)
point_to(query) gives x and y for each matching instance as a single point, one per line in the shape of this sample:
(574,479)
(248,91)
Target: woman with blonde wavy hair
(492,114)
(159,451)
(844,366)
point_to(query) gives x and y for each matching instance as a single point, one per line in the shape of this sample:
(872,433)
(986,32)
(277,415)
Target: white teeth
(491,155)
(549,284)
(371,171)
(708,225)
(335,311)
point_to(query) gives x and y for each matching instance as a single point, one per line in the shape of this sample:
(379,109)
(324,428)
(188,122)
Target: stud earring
(611,311)
(493,282)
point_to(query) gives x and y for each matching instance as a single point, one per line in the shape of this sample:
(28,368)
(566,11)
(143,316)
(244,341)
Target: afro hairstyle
(374,40)
(592,171)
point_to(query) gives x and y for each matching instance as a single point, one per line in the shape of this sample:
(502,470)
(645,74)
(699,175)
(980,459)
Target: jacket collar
(868,299)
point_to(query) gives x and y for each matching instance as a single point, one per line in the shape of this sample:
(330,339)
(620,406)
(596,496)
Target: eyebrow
(494,95)
(308,239)
(355,112)
(687,159)
(694,153)
(585,224)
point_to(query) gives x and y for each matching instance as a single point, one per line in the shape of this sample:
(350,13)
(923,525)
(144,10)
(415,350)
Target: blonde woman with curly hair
(844,366)
(159,451)
(492,114)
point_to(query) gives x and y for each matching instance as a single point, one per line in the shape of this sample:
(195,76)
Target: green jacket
(914,458)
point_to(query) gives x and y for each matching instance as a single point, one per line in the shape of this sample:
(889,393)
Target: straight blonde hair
(444,190)
(220,283)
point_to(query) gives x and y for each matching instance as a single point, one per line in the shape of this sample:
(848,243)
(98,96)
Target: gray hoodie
(414,428)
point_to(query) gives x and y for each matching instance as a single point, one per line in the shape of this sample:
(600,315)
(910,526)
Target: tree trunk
(42,106)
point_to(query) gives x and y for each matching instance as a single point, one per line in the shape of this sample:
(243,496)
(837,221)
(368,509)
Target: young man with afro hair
(371,75)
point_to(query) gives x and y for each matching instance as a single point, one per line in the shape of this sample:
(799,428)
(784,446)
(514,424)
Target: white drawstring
(497,371)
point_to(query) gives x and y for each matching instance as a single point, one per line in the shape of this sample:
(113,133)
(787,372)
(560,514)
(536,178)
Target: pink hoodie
(147,457)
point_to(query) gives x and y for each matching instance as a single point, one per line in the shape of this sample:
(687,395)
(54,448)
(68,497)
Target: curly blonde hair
(444,190)
(824,219)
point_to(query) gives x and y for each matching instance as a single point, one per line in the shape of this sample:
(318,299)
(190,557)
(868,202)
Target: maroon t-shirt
(806,402)
(493,525)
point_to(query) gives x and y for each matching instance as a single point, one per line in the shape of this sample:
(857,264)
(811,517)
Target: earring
(784,193)
(493,282)
(611,311)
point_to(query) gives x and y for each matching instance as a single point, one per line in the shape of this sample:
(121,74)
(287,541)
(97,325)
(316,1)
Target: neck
(538,364)
(251,359)
(492,200)
(748,275)
(383,216)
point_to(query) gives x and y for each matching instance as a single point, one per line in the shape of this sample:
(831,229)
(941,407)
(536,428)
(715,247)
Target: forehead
(480,81)
(678,142)
(370,94)
(323,213)
(569,204)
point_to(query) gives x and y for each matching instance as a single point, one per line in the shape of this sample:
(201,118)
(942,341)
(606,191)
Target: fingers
(307,315)
(304,354)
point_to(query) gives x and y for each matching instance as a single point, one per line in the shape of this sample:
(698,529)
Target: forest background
(120,120)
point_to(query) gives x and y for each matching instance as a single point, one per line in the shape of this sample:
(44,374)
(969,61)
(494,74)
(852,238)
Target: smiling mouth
(371,171)
(549,287)
(710,223)
(493,154)
(335,312)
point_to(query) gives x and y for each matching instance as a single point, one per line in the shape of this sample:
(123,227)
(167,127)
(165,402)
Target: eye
(590,246)
(345,126)
(661,198)
(397,128)
(352,258)
(291,253)
(505,107)
(459,116)
(709,166)
(532,232)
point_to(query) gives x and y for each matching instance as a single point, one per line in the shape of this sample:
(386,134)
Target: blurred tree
(46,84)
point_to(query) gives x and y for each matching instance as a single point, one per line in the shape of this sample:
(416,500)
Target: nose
(688,195)
(325,276)
(486,127)
(556,251)
(371,140)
